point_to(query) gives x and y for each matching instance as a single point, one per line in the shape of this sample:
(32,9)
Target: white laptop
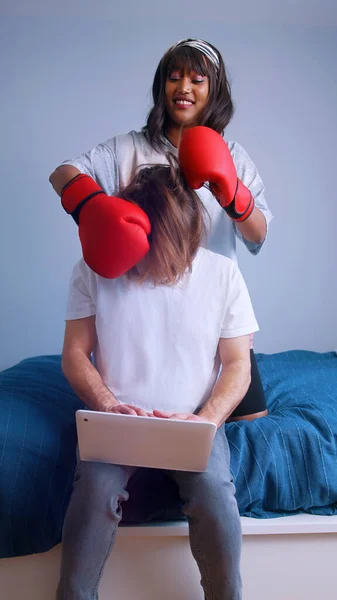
(144,441)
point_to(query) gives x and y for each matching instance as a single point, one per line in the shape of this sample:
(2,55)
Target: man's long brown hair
(177,218)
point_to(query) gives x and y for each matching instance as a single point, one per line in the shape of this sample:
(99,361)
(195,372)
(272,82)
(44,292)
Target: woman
(159,335)
(190,88)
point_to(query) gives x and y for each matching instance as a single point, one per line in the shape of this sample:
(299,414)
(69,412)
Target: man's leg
(90,527)
(214,522)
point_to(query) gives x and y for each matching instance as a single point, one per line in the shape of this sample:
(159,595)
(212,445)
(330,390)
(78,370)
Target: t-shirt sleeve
(82,293)
(248,173)
(101,164)
(239,318)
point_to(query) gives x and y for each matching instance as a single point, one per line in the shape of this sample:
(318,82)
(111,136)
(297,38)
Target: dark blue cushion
(282,464)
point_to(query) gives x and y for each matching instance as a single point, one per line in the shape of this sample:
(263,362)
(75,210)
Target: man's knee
(210,493)
(100,482)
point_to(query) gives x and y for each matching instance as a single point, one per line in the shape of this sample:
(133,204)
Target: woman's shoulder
(133,149)
(126,142)
(237,150)
(242,160)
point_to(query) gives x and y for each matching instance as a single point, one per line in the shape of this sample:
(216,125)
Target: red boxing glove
(204,156)
(113,232)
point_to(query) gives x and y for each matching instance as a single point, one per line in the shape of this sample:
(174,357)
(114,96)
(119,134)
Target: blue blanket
(282,464)
(287,462)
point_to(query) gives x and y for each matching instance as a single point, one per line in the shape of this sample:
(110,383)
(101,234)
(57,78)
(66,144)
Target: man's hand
(180,416)
(129,409)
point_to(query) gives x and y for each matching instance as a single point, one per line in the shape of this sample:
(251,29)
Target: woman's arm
(61,176)
(254,229)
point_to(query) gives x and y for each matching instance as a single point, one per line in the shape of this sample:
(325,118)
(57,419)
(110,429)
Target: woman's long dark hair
(219,109)
(177,218)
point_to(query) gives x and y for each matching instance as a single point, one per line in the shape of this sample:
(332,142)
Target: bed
(284,468)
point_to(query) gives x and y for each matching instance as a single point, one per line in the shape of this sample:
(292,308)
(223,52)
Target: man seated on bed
(159,336)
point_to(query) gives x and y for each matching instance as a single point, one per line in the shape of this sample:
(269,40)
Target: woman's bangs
(190,59)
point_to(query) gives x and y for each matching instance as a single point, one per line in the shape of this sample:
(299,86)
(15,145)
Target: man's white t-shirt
(157,346)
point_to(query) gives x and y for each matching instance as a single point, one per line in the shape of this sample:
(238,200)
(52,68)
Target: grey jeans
(95,510)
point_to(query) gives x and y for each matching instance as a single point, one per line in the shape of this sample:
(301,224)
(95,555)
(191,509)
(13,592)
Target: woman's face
(186,95)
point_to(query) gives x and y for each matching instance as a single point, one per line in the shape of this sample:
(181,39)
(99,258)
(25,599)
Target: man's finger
(162,414)
(185,417)
(127,410)
(140,412)
(180,416)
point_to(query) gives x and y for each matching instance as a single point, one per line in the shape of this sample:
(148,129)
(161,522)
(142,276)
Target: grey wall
(70,82)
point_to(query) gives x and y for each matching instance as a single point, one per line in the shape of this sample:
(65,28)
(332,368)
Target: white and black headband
(202,46)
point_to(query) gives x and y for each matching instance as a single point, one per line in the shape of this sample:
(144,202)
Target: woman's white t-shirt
(157,346)
(114,163)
